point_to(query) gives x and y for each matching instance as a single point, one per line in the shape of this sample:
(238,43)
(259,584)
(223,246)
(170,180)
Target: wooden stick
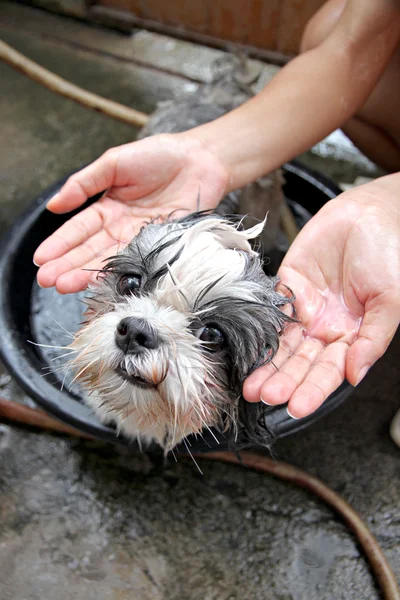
(108,107)
(34,417)
(64,88)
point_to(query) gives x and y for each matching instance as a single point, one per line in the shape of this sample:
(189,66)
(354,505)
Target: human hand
(344,268)
(153,177)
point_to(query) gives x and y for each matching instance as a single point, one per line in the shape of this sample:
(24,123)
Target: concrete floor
(85,521)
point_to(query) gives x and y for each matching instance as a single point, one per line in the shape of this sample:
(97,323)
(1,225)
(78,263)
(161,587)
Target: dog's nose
(135,335)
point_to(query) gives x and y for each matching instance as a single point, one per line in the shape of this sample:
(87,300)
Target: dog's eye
(129,284)
(212,337)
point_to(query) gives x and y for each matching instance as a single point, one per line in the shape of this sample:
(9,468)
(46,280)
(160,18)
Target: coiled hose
(381,569)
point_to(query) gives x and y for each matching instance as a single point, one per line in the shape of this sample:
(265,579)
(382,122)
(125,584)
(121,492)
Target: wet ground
(86,521)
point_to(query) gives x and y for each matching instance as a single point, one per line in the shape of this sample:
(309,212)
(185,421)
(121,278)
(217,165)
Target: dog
(175,323)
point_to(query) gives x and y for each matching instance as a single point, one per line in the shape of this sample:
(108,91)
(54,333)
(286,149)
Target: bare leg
(375,129)
(374,143)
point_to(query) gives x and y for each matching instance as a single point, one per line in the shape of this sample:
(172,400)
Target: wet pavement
(87,521)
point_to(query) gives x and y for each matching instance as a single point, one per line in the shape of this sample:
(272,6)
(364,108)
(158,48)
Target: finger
(324,378)
(78,229)
(78,279)
(91,249)
(377,329)
(88,182)
(282,385)
(287,345)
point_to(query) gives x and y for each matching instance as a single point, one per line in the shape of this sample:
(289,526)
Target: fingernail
(266,403)
(291,416)
(362,373)
(35,263)
(51,199)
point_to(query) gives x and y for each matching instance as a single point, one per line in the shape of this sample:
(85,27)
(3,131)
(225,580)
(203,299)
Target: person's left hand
(344,268)
(158,176)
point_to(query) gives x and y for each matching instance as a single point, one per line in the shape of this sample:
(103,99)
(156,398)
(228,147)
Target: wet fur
(195,271)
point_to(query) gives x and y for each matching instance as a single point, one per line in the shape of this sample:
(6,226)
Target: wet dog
(176,322)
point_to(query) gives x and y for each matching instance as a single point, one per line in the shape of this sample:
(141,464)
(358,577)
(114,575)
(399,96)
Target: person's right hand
(344,268)
(144,180)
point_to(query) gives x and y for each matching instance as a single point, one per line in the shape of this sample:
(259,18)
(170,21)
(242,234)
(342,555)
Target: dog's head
(176,322)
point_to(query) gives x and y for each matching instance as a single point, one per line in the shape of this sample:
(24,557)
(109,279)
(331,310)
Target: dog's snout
(135,335)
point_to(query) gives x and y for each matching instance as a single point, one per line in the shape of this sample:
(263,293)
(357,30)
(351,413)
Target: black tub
(21,317)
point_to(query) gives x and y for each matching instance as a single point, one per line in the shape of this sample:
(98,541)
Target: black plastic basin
(22,307)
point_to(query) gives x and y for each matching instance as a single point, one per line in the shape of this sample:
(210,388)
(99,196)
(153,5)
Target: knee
(321,24)
(311,36)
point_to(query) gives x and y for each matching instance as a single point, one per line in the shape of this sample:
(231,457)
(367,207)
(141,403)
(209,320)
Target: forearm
(312,96)
(289,116)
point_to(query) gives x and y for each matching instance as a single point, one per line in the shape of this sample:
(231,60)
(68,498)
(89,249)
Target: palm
(144,180)
(342,268)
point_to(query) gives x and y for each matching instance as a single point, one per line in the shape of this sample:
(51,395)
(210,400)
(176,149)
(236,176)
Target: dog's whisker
(69,333)
(63,381)
(47,346)
(46,374)
(212,433)
(83,370)
(59,357)
(191,456)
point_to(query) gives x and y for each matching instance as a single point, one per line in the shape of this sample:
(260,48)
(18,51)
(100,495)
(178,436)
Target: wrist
(383,192)
(204,147)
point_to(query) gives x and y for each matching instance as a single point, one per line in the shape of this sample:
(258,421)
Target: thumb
(377,329)
(88,182)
